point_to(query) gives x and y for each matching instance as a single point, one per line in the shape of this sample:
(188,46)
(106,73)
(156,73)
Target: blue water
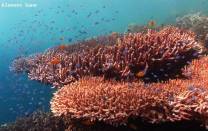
(24,31)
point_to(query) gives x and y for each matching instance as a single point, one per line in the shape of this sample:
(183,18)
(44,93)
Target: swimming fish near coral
(62,47)
(142,73)
(55,61)
(151,24)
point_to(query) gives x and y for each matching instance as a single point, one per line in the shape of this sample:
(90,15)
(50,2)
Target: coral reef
(197,22)
(20,64)
(135,28)
(104,83)
(155,55)
(38,121)
(93,99)
(45,121)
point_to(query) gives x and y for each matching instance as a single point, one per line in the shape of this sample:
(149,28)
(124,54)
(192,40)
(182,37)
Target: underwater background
(29,30)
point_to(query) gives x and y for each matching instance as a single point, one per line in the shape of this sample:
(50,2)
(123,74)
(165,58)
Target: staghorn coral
(96,100)
(92,99)
(154,55)
(196,22)
(198,69)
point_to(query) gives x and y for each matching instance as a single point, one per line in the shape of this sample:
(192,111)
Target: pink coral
(158,55)
(95,99)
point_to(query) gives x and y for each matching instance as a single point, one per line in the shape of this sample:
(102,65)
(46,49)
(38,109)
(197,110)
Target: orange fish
(143,72)
(140,74)
(62,47)
(151,24)
(55,61)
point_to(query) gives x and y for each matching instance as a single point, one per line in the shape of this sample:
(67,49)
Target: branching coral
(94,99)
(197,23)
(152,55)
(198,69)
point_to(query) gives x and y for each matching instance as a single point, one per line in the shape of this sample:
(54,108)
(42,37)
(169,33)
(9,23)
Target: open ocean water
(28,30)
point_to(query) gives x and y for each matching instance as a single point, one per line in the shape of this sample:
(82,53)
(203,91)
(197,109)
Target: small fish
(62,38)
(140,74)
(62,47)
(143,72)
(82,32)
(89,14)
(155,76)
(166,75)
(55,61)
(97,11)
(73,11)
(151,24)
(96,23)
(69,39)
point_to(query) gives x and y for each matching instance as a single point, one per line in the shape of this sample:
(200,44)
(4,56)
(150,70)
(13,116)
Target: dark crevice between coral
(157,72)
(170,69)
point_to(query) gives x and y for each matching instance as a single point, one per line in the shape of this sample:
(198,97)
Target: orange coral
(93,99)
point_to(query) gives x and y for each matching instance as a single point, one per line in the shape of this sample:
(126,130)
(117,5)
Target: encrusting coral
(151,56)
(93,99)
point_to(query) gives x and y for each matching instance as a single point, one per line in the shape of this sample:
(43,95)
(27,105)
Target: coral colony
(134,55)
(156,76)
(198,23)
